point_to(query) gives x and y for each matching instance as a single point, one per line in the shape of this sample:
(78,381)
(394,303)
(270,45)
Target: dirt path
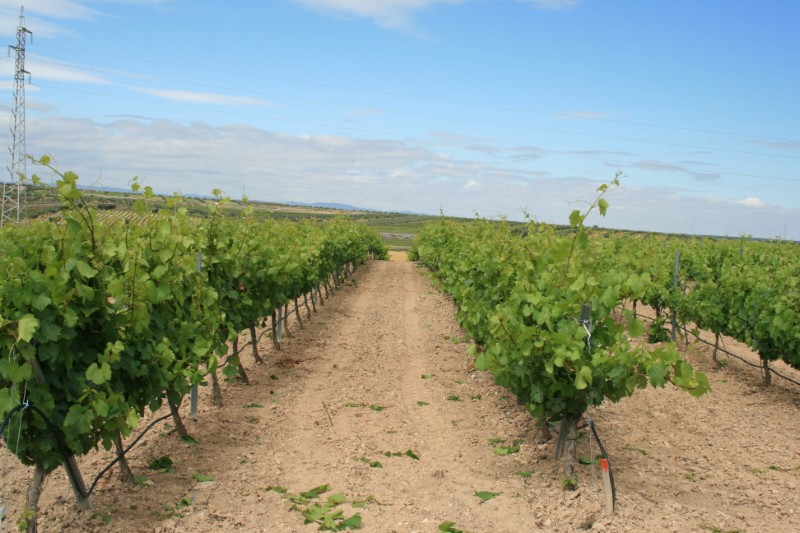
(383,368)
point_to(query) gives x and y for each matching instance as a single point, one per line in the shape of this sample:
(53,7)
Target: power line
(430,115)
(421,140)
(516,109)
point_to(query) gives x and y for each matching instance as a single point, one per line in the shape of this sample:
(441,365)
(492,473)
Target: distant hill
(122,190)
(103,188)
(319,205)
(347,207)
(329,205)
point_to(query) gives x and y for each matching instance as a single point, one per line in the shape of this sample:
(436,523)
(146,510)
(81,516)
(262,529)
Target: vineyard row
(100,321)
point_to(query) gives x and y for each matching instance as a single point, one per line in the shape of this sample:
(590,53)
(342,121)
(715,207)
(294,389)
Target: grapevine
(542,307)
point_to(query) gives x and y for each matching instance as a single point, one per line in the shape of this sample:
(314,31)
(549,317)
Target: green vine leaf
(98,374)
(26,327)
(485,496)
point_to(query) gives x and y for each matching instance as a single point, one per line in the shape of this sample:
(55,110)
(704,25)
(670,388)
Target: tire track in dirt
(397,329)
(380,352)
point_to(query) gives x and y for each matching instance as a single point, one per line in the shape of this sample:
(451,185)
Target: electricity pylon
(13,207)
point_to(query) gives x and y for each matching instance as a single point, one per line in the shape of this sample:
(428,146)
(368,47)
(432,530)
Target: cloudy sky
(466,106)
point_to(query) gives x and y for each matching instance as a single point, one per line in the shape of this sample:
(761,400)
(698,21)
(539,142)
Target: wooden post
(675,285)
(275,343)
(193,401)
(279,324)
(286,320)
(193,392)
(607,490)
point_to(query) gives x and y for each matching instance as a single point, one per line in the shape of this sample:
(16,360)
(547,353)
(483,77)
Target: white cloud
(39,105)
(47,70)
(594,154)
(752,201)
(660,166)
(467,142)
(198,97)
(379,174)
(527,153)
(657,165)
(358,115)
(552,4)
(397,14)
(197,158)
(665,210)
(389,13)
(706,176)
(60,9)
(67,9)
(40,15)
(780,145)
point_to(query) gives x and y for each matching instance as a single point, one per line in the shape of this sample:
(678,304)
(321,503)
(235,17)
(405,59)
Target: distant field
(397,229)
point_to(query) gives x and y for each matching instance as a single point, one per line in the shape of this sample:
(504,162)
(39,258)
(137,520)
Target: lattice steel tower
(14,188)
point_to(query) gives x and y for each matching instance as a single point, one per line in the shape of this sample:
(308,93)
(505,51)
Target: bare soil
(383,367)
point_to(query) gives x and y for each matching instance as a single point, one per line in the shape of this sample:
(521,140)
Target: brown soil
(729,461)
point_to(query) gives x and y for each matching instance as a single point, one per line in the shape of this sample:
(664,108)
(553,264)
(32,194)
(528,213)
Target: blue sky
(465,106)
